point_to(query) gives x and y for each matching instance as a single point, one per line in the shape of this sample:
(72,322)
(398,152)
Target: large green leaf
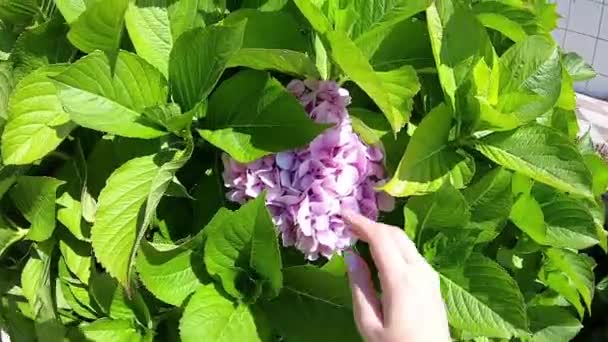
(99,27)
(125,204)
(392,91)
(169,274)
(252,115)
(552,324)
(569,221)
(392,53)
(286,61)
(261,30)
(41,46)
(577,68)
(72,9)
(170,162)
(199,58)
(19,12)
(446,208)
(70,215)
(37,123)
(245,245)
(541,153)
(483,299)
(104,329)
(77,256)
(37,287)
(377,18)
(35,198)
(527,215)
(490,199)
(530,78)
(576,268)
(429,160)
(103,99)
(211,316)
(599,171)
(113,301)
(172,273)
(154,25)
(462,51)
(320,299)
(6,87)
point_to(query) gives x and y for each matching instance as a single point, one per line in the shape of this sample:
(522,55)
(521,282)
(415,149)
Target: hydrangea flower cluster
(307,188)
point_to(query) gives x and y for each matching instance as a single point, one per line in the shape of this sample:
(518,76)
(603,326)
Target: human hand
(411,308)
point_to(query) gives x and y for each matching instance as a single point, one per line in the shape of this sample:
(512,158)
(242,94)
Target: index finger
(383,248)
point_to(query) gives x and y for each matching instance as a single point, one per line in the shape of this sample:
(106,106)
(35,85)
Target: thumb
(366,306)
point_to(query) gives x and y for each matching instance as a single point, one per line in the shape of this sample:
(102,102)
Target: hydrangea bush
(175,170)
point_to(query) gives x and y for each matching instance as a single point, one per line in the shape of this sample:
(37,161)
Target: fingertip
(366,304)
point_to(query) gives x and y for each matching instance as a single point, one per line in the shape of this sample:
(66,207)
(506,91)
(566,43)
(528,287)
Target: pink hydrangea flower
(307,188)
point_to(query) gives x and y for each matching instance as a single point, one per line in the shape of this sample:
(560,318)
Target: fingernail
(352,261)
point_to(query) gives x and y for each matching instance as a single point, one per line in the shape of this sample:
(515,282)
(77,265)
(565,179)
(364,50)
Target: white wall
(583,29)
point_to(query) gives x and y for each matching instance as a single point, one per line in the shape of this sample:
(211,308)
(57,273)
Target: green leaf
(503,24)
(577,68)
(314,305)
(154,25)
(37,123)
(211,316)
(483,299)
(170,117)
(530,75)
(570,224)
(541,153)
(169,274)
(172,273)
(19,12)
(105,329)
(77,256)
(112,101)
(429,160)
(99,27)
(9,236)
(72,9)
(245,246)
(566,122)
(374,129)
(37,288)
(114,302)
(599,171)
(71,217)
(126,205)
(527,215)
(446,208)
(552,324)
(450,24)
(490,199)
(7,84)
(199,58)
(576,269)
(251,115)
(35,198)
(285,61)
(170,162)
(261,30)
(377,18)
(41,46)
(391,91)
